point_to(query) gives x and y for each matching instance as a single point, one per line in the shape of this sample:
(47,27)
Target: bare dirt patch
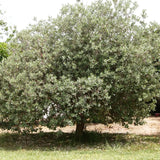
(151,127)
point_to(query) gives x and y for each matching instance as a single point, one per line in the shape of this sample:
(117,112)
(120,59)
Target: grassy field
(93,146)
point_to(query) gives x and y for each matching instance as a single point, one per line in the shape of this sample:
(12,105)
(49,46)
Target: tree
(6,34)
(90,64)
(153,36)
(3,46)
(154,40)
(3,51)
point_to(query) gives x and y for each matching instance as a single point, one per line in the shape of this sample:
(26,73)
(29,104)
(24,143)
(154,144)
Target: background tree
(153,36)
(3,46)
(3,50)
(6,34)
(90,64)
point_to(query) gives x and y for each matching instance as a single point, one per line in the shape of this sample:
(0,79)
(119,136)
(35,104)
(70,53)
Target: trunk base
(79,130)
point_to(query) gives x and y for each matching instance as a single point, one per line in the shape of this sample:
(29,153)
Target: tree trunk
(79,130)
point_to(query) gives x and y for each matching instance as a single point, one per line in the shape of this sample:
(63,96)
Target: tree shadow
(67,141)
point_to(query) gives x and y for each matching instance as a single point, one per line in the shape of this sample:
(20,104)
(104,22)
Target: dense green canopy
(90,64)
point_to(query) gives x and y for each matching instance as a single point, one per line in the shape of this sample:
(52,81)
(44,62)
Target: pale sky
(22,12)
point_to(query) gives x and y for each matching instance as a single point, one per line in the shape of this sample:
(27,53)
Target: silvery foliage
(90,64)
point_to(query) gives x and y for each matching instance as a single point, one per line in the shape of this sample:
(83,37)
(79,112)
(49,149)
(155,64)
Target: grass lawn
(93,146)
(82,154)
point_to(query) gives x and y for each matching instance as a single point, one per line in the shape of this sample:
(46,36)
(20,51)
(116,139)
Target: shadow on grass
(67,141)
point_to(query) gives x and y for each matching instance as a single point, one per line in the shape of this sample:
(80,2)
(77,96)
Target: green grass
(93,146)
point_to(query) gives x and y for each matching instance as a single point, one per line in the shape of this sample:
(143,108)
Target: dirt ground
(151,127)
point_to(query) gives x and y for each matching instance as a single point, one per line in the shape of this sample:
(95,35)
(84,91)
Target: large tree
(90,64)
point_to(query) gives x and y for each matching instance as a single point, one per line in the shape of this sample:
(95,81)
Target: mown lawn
(93,146)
